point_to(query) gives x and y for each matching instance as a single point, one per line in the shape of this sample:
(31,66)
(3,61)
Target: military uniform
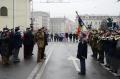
(40,39)
(93,38)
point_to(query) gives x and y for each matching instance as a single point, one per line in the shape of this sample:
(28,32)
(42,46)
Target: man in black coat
(17,38)
(28,42)
(82,53)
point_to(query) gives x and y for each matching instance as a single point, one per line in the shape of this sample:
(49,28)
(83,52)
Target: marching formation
(12,40)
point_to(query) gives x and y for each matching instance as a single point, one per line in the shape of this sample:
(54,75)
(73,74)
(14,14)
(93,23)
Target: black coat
(82,50)
(17,40)
(28,39)
(46,37)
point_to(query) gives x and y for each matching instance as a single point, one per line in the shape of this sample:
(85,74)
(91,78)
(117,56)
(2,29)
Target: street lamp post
(31,25)
(13,15)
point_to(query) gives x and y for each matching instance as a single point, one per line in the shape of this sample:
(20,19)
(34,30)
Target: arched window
(3,11)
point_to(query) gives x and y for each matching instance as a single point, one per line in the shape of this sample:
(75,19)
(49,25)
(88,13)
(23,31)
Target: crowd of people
(105,44)
(12,40)
(63,37)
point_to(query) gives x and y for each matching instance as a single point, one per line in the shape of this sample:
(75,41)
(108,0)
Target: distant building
(61,25)
(41,19)
(95,21)
(21,13)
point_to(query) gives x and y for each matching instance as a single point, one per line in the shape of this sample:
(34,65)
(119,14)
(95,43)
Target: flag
(81,23)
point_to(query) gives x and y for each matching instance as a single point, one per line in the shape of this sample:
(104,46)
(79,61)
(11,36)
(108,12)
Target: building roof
(40,13)
(57,19)
(98,17)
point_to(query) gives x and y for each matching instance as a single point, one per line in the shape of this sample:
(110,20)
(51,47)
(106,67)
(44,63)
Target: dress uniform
(40,39)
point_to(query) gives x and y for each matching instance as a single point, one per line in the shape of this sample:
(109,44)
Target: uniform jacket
(40,39)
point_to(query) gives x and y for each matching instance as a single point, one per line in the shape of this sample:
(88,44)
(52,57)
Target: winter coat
(82,50)
(17,40)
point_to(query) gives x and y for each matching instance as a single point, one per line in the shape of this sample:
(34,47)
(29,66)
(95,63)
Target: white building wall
(38,22)
(42,19)
(22,13)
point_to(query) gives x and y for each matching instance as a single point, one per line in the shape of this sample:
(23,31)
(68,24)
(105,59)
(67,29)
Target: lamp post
(13,15)
(32,23)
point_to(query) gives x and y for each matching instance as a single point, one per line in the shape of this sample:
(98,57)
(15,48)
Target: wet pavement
(61,63)
(20,70)
(60,66)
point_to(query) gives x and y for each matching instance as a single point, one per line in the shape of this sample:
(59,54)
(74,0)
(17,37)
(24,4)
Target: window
(3,11)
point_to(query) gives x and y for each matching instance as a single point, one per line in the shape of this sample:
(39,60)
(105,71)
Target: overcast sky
(84,7)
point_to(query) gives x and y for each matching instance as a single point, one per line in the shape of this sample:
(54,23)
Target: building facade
(41,19)
(14,13)
(61,25)
(95,21)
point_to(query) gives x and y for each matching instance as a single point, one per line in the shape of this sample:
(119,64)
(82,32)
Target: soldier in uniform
(101,46)
(94,44)
(40,39)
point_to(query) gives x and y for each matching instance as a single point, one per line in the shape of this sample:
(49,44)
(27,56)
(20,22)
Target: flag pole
(82,21)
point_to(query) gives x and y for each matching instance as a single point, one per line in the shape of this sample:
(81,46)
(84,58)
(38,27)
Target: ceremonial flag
(81,23)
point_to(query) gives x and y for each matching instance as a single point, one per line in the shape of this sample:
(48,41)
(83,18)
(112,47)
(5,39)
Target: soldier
(101,47)
(94,44)
(5,46)
(40,39)
(28,42)
(117,54)
(17,44)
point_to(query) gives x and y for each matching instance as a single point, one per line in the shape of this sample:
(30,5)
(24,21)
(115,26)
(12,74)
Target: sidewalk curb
(39,66)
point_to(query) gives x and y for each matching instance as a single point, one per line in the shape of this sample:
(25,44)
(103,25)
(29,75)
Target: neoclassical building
(95,21)
(14,13)
(61,25)
(41,19)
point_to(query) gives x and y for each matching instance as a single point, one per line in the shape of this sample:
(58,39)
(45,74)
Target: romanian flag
(80,24)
